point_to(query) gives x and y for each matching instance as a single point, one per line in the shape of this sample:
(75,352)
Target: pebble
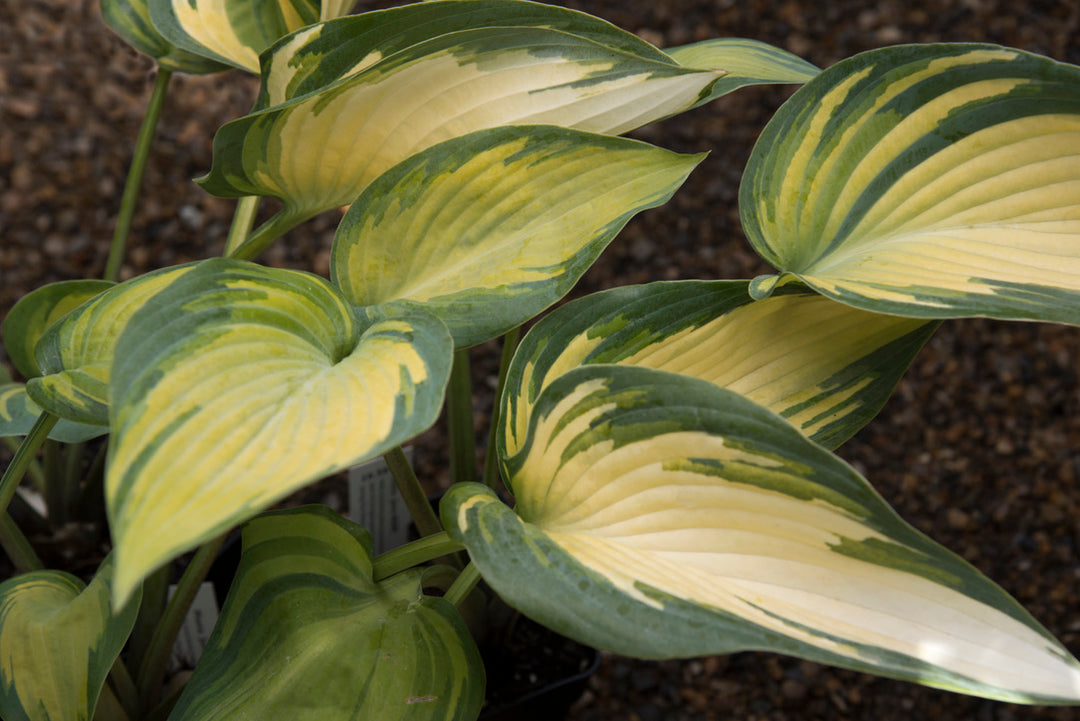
(793,690)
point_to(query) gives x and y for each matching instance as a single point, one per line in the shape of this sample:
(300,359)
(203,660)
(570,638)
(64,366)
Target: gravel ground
(977,448)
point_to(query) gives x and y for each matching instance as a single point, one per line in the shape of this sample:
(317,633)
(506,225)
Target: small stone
(190,216)
(648,712)
(1051,513)
(957,518)
(644,679)
(55,245)
(793,690)
(22,178)
(26,108)
(642,249)
(651,36)
(889,35)
(321,264)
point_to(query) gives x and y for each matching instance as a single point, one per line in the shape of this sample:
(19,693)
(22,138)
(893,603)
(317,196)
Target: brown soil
(978,447)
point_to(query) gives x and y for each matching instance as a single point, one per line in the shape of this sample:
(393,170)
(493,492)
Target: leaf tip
(126,580)
(763,286)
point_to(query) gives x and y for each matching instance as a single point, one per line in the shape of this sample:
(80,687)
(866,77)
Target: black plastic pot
(549,702)
(533,673)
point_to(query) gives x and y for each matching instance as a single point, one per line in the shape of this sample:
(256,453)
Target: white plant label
(376,504)
(195,632)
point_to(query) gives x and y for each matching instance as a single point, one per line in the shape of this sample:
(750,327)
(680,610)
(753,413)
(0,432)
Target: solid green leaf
(491,228)
(932,181)
(130,19)
(18,414)
(238,384)
(824,366)
(75,355)
(233,32)
(58,640)
(308,634)
(658,516)
(37,311)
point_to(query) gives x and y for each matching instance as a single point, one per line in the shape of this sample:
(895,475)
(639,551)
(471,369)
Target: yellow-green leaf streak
(238,384)
(323,54)
(36,312)
(929,181)
(321,150)
(18,413)
(76,354)
(659,515)
(131,20)
(489,229)
(746,62)
(231,31)
(824,366)
(58,640)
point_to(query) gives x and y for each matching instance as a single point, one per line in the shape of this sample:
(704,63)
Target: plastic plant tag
(195,631)
(375,504)
(33,499)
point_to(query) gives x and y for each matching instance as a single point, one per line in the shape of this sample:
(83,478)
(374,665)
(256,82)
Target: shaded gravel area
(979,447)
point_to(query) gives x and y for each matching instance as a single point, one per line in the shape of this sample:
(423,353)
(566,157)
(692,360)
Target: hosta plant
(667,448)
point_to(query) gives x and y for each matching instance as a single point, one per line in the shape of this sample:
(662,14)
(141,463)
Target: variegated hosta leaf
(306,629)
(130,19)
(933,181)
(75,355)
(330,9)
(659,515)
(58,640)
(322,150)
(18,414)
(37,311)
(824,366)
(238,384)
(236,31)
(489,229)
(315,58)
(747,62)
(319,56)
(430,72)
